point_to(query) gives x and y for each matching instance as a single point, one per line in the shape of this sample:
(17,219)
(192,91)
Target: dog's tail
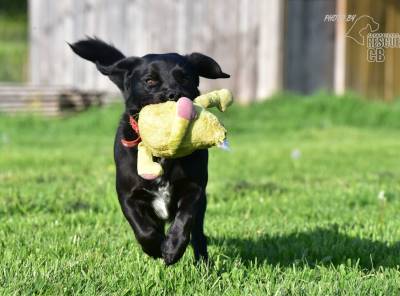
(97,51)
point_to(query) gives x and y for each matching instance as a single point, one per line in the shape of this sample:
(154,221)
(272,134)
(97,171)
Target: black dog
(179,195)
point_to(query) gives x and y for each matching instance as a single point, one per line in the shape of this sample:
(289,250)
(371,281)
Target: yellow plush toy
(176,129)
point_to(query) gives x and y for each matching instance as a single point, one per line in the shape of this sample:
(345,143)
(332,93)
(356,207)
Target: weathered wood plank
(270,47)
(377,80)
(309,46)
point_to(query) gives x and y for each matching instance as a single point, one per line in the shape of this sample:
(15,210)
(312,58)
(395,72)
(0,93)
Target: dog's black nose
(173,95)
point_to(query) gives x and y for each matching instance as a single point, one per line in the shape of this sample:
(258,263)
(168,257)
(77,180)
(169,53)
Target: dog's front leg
(148,230)
(178,235)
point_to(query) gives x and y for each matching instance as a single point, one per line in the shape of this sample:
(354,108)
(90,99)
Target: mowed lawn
(307,202)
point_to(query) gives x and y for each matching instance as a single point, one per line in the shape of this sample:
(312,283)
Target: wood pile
(49,101)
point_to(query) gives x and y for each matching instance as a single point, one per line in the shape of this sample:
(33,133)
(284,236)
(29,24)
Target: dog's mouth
(134,110)
(165,98)
(154,99)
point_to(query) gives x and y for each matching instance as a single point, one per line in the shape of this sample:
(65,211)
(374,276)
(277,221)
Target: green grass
(277,224)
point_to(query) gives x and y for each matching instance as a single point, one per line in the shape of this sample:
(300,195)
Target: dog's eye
(151,82)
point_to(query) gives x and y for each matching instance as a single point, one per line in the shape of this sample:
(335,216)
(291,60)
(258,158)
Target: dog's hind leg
(199,240)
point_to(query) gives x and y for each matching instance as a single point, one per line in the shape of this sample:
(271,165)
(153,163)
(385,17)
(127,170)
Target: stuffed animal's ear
(109,60)
(206,66)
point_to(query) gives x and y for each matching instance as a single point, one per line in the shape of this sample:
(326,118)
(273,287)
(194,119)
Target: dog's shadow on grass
(321,246)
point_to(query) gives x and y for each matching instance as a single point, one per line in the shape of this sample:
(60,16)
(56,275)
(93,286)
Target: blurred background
(266,46)
(308,198)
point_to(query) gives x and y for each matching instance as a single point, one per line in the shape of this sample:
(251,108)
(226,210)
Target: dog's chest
(162,198)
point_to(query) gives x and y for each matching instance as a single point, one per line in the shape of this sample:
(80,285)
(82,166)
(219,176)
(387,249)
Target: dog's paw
(169,259)
(172,249)
(168,253)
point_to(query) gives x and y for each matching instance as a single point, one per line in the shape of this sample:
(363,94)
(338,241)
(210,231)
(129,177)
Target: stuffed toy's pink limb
(185,112)
(185,108)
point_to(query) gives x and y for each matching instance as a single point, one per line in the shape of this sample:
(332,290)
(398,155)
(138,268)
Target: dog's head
(150,79)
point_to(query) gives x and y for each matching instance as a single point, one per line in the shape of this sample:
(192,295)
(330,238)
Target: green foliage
(293,208)
(15,8)
(13,58)
(13,40)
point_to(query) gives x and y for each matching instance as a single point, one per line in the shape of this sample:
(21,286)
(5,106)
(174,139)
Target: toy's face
(159,78)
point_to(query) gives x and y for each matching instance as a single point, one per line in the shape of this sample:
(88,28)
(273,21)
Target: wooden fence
(309,46)
(376,79)
(244,36)
(266,45)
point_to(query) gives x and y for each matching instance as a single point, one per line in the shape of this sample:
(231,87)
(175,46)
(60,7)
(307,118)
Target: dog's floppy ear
(206,66)
(117,71)
(109,60)
(96,50)
(121,66)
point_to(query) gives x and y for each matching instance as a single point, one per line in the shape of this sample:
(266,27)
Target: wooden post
(340,49)
(270,48)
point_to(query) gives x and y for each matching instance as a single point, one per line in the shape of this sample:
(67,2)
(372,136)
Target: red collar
(132,143)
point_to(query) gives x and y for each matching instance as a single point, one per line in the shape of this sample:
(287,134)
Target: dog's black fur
(152,79)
